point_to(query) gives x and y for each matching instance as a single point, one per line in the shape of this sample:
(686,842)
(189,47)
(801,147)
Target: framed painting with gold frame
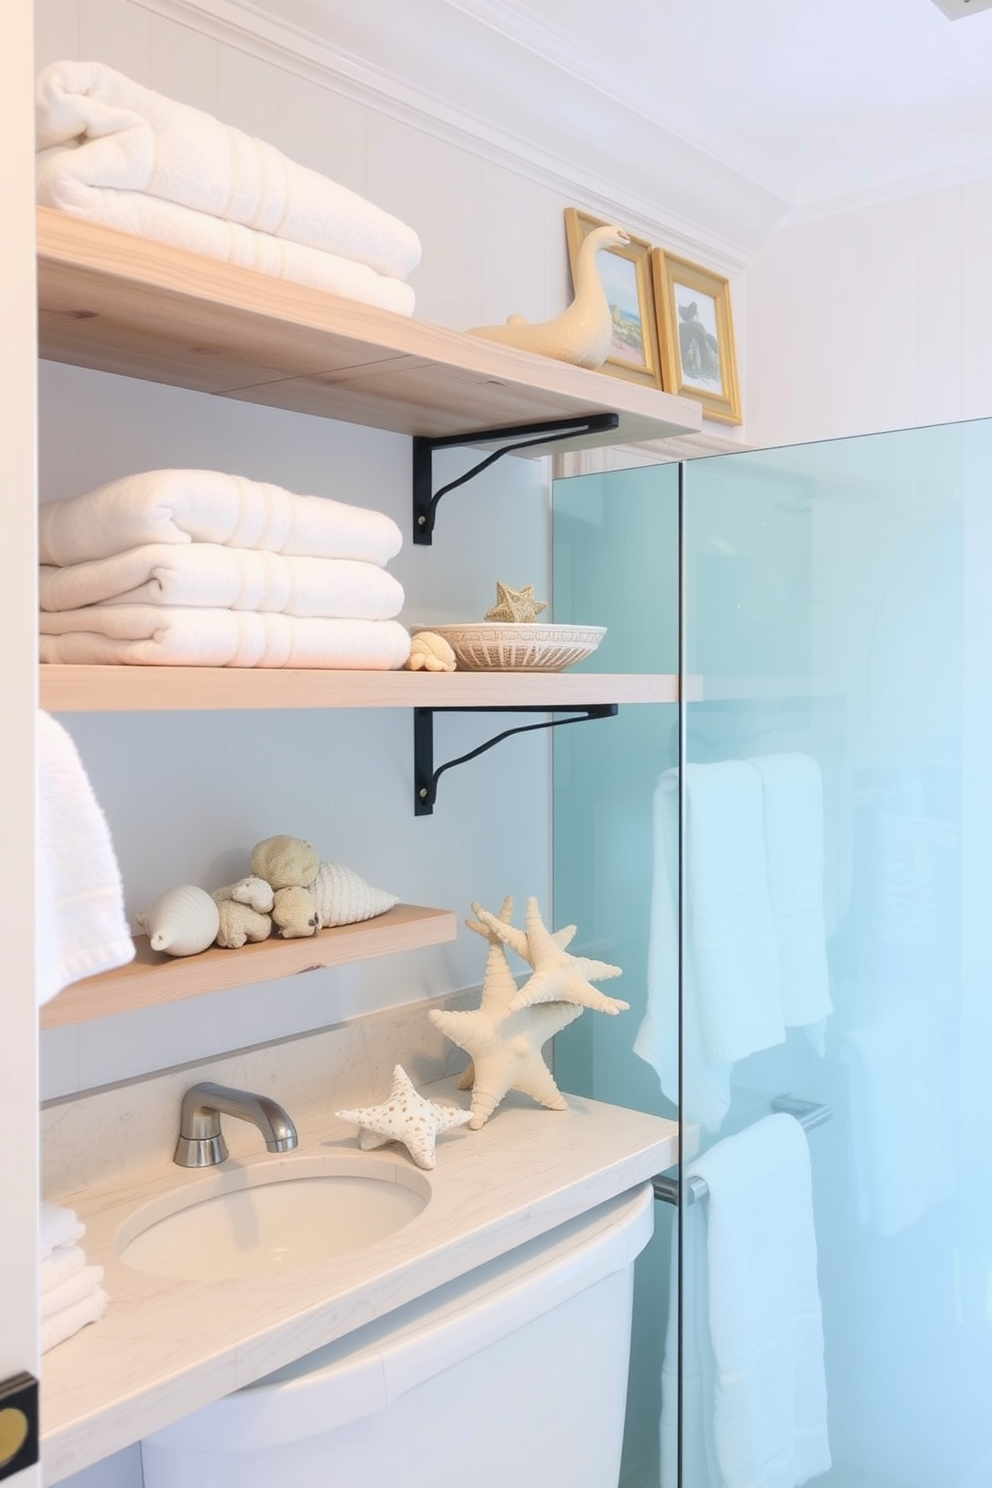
(625,273)
(696,335)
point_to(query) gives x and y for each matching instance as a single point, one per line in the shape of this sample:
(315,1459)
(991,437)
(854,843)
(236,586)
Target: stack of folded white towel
(72,1293)
(117,153)
(199,568)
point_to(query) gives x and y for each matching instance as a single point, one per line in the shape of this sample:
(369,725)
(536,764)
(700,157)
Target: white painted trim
(241,24)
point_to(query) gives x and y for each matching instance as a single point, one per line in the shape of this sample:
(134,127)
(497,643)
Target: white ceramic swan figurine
(583,333)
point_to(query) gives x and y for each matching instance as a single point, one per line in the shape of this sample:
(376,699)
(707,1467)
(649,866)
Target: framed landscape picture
(625,274)
(696,335)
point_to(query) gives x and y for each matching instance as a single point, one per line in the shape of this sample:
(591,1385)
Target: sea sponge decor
(294,912)
(284,862)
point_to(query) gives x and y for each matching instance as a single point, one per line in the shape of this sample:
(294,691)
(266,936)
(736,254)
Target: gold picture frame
(626,278)
(696,335)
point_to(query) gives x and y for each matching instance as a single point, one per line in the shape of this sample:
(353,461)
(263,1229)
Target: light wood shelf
(112,689)
(151,978)
(124,304)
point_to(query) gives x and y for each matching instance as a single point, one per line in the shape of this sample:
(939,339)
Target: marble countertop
(166,1347)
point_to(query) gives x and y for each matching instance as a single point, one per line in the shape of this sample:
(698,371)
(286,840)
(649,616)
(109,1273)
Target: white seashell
(430,652)
(343,897)
(182,921)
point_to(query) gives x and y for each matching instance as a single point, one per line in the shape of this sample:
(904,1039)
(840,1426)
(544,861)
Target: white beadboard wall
(873,318)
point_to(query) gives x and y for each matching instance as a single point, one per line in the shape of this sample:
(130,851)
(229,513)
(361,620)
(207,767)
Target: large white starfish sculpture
(505,1045)
(558,975)
(405,1117)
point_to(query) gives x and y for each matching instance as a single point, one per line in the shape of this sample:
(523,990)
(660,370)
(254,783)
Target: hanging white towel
(757,1402)
(153,635)
(209,574)
(81,927)
(125,138)
(732,1004)
(184,506)
(792,797)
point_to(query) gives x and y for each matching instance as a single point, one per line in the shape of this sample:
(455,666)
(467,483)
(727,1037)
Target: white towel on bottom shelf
(755,1405)
(69,1320)
(155,635)
(228,242)
(121,137)
(81,927)
(64,1261)
(184,506)
(210,574)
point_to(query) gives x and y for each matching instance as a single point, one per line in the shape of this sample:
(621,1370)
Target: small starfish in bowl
(515,606)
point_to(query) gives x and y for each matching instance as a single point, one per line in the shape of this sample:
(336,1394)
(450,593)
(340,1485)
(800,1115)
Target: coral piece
(505,1044)
(558,976)
(405,1117)
(430,652)
(515,606)
(181,922)
(254,892)
(583,333)
(342,896)
(294,912)
(239,923)
(284,862)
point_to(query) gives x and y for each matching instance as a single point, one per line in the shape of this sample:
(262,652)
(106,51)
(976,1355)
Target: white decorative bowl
(495,646)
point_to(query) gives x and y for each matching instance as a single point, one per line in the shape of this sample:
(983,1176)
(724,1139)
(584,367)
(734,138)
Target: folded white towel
(81,927)
(65,1324)
(75,1288)
(229,242)
(153,635)
(889,1063)
(792,796)
(126,138)
(228,578)
(64,1261)
(57,1226)
(757,1407)
(184,506)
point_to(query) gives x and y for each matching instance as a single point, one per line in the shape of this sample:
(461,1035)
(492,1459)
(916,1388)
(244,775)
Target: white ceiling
(776,108)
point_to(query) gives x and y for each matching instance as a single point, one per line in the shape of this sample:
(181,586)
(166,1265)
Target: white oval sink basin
(271,1217)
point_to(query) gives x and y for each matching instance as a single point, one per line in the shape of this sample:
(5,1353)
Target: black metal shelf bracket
(524,435)
(426,777)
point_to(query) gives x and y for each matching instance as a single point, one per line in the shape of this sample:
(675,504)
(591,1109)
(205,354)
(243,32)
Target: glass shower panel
(836,821)
(615,557)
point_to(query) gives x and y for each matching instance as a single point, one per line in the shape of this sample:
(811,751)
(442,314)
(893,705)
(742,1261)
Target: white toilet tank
(514,1376)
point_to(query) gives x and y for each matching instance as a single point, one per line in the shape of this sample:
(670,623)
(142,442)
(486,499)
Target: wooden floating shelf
(151,978)
(123,304)
(115,689)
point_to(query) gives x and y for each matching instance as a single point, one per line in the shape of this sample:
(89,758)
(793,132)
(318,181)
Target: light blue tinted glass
(616,564)
(838,615)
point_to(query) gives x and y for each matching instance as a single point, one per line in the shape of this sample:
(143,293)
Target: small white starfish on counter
(558,975)
(515,606)
(405,1117)
(505,1045)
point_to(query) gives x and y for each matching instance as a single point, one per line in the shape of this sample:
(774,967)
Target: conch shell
(343,897)
(181,922)
(430,652)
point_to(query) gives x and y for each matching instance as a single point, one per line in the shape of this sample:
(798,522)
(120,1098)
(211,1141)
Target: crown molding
(620,165)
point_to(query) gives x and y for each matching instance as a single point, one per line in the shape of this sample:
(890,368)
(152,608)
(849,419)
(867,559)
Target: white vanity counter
(165,1347)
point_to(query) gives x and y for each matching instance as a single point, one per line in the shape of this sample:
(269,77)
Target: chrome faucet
(201,1143)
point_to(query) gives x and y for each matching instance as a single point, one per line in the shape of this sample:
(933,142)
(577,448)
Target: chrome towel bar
(808,1113)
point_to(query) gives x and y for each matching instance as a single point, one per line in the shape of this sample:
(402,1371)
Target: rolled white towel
(228,578)
(64,1261)
(123,137)
(75,1288)
(185,506)
(57,1226)
(150,635)
(62,1325)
